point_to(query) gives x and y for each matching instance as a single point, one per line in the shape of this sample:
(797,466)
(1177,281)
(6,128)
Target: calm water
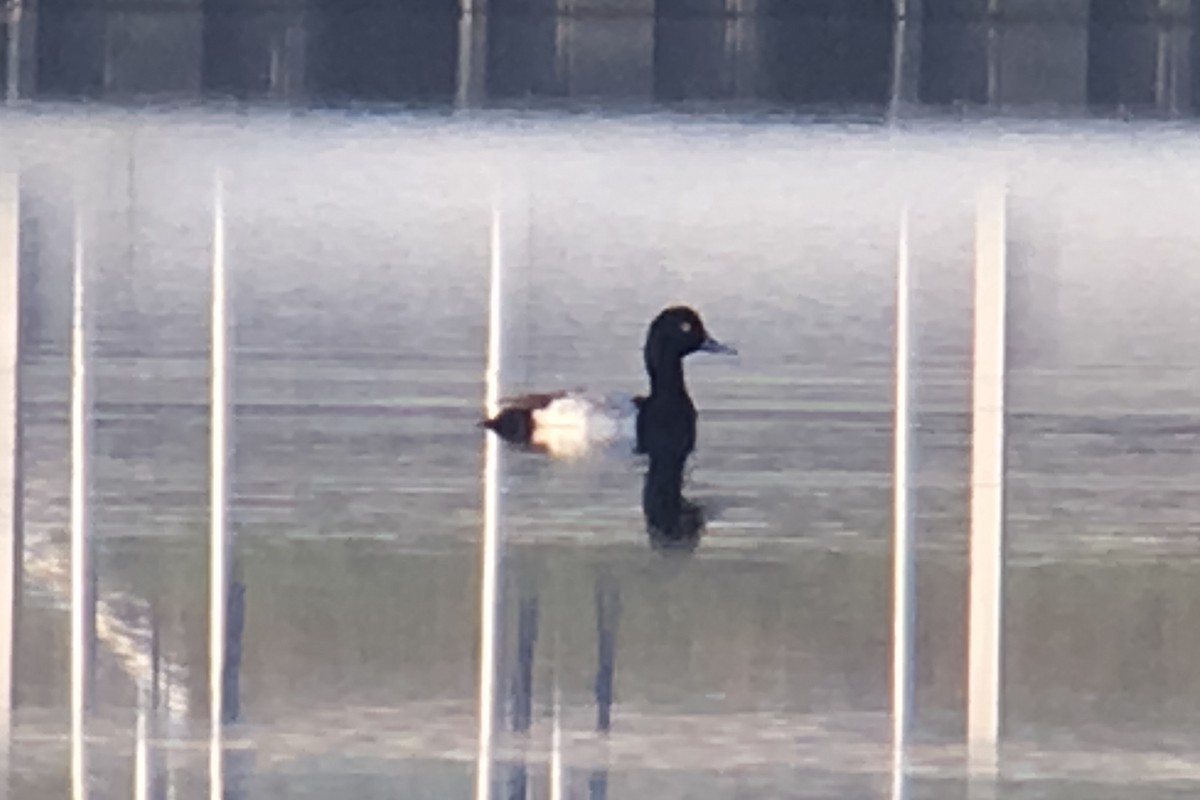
(358,248)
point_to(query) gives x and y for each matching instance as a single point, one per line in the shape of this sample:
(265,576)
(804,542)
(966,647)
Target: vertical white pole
(903,560)
(218,494)
(81,568)
(489,582)
(11,482)
(987,481)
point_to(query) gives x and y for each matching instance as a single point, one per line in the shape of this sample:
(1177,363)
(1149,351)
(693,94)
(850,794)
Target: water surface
(358,249)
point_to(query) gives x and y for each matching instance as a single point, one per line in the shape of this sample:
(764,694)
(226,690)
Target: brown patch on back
(530,402)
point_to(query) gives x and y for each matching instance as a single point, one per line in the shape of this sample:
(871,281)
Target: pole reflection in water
(527,634)
(237,763)
(144,777)
(150,765)
(82,577)
(608,612)
(598,784)
(162,774)
(518,678)
(235,621)
(518,781)
(520,687)
(674,523)
(608,615)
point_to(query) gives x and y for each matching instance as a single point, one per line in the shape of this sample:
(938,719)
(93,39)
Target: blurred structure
(1117,56)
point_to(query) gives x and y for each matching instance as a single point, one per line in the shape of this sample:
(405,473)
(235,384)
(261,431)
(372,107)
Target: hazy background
(358,246)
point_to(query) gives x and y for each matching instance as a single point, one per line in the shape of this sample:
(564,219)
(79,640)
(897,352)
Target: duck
(661,423)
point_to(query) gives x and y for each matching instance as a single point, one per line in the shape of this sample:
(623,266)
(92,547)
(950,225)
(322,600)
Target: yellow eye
(686,327)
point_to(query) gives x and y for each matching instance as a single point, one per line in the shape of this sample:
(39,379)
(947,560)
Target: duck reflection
(518,676)
(673,522)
